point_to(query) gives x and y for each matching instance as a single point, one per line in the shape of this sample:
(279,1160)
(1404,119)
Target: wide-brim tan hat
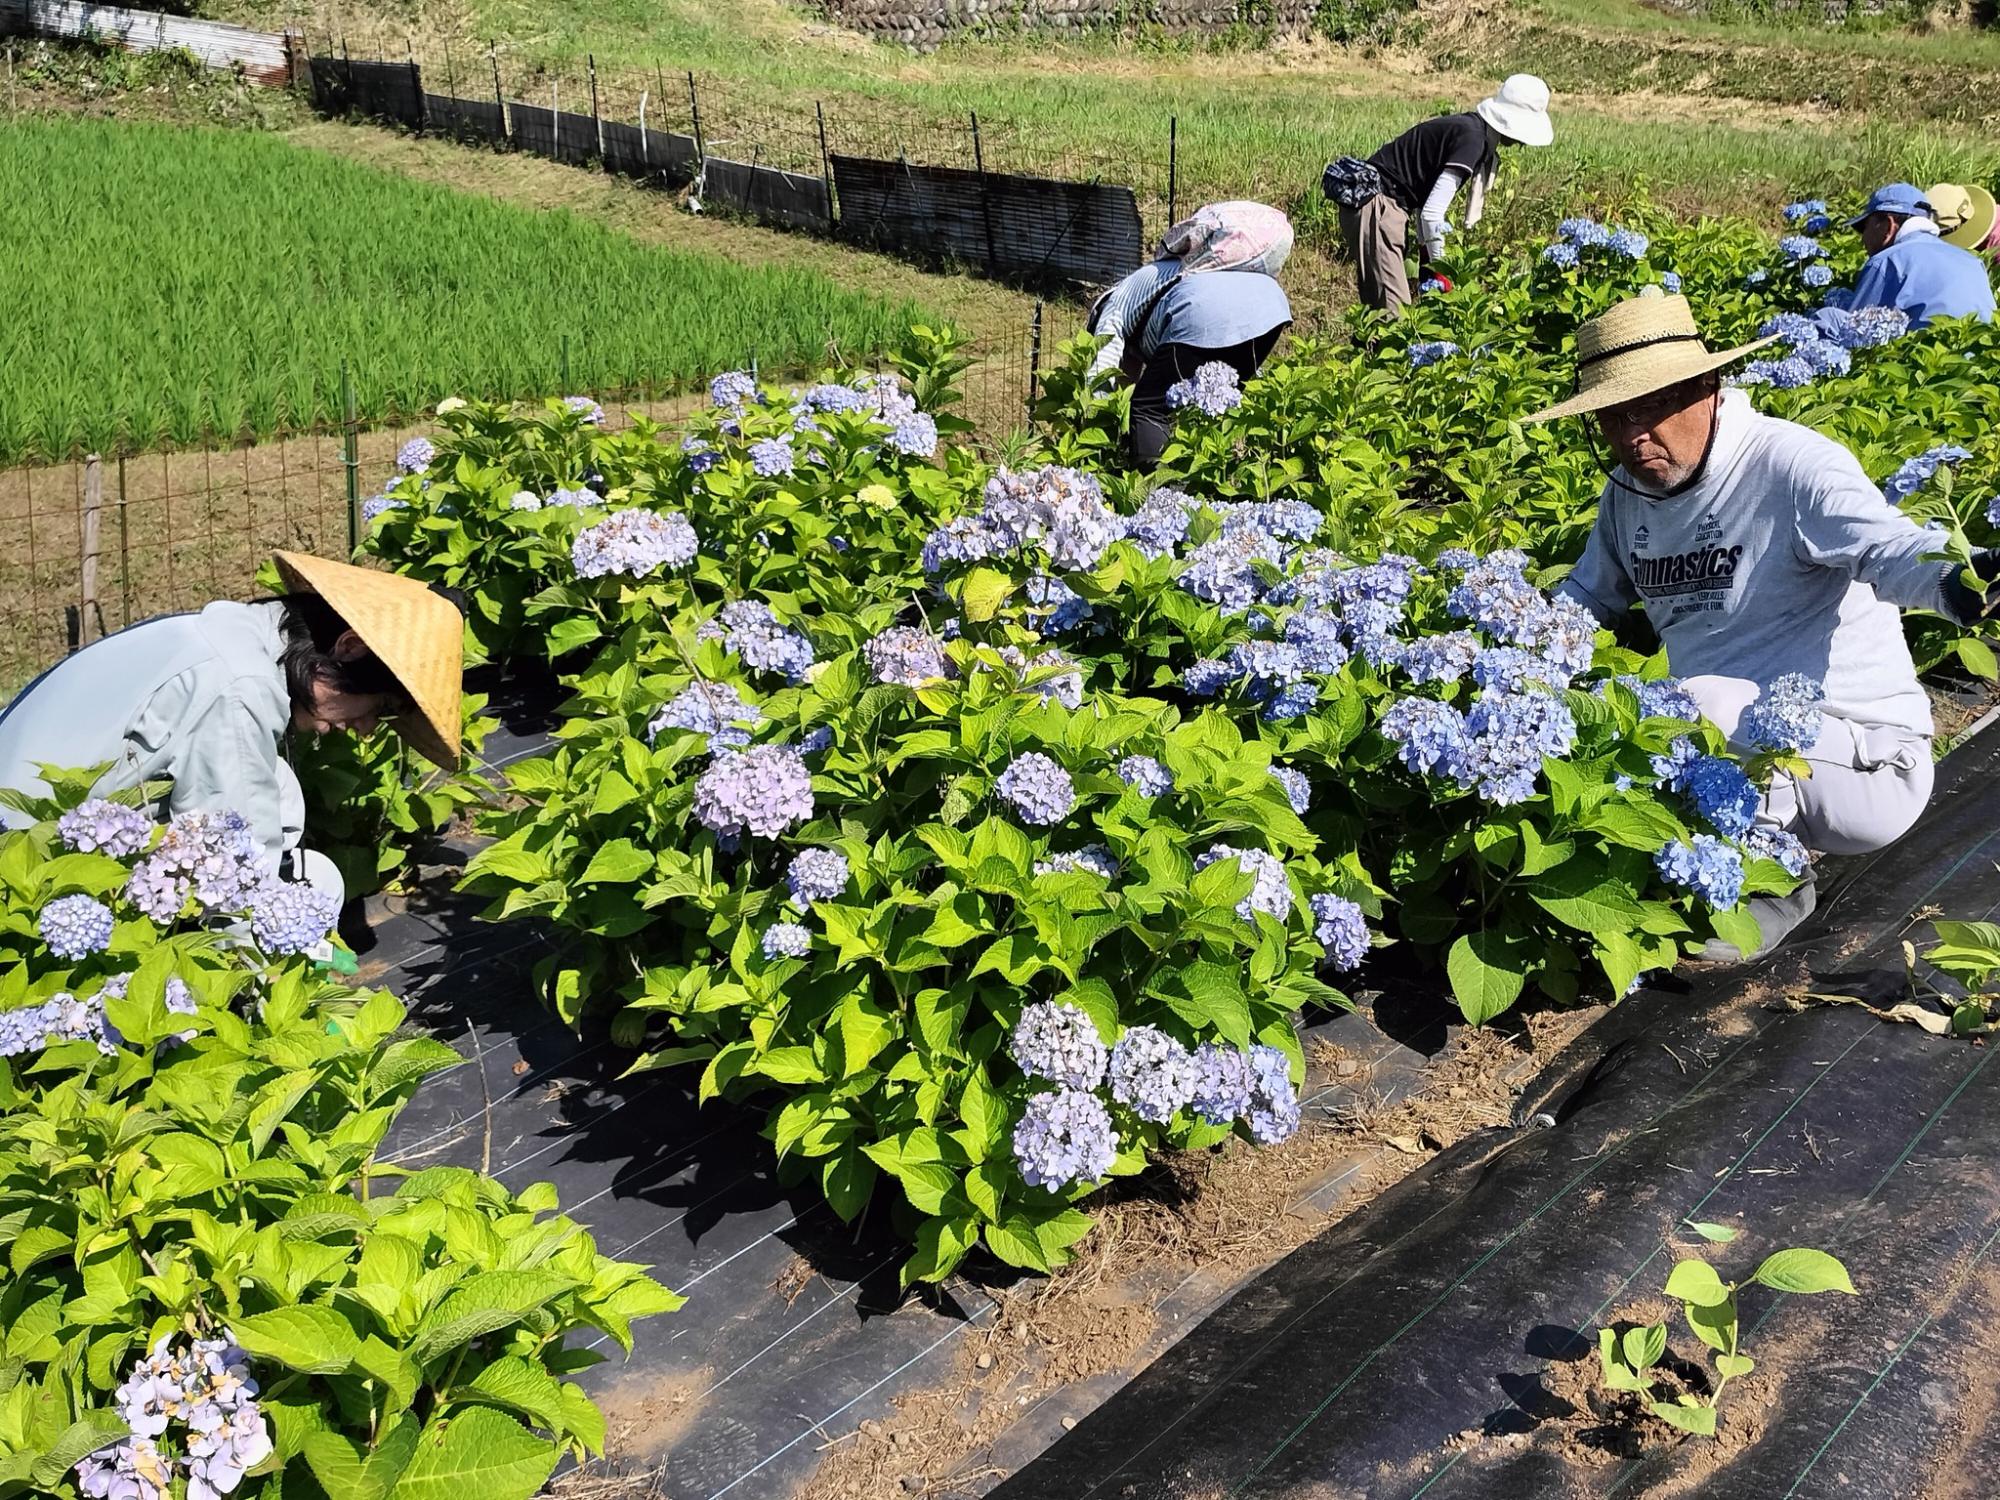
(1642,345)
(1965,215)
(417,634)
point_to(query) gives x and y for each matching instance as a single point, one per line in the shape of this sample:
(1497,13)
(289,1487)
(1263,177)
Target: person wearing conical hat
(205,701)
(1420,175)
(1966,217)
(1911,267)
(1755,548)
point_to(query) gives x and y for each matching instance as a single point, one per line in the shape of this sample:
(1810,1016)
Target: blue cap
(1896,198)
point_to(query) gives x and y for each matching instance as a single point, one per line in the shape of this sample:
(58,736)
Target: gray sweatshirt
(1781,558)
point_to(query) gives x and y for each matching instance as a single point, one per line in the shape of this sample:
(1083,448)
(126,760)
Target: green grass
(166,284)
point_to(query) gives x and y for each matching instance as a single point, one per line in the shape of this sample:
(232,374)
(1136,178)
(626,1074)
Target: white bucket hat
(1520,111)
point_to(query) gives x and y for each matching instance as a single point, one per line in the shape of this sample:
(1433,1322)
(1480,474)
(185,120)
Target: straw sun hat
(1965,215)
(1642,345)
(417,634)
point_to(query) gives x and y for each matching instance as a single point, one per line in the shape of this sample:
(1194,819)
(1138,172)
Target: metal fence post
(694,109)
(596,120)
(825,162)
(985,202)
(350,456)
(1034,357)
(499,98)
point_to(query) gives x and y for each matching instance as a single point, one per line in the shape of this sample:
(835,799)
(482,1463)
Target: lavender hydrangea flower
(1222,1083)
(1054,607)
(754,633)
(1423,355)
(209,1392)
(1562,255)
(633,542)
(587,411)
(1038,788)
(733,390)
(1708,867)
(1273,1111)
(786,940)
(1507,738)
(1152,1074)
(1270,892)
(1048,681)
(377,506)
(1721,793)
(1340,927)
(905,656)
(1440,658)
(772,458)
(415,456)
(101,826)
(914,436)
(1914,473)
(816,875)
(1298,788)
(1063,1138)
(1670,281)
(1214,390)
(1145,775)
(289,916)
(562,498)
(1060,1043)
(1223,571)
(1061,509)
(1432,735)
(761,791)
(1800,247)
(74,927)
(212,858)
(1765,842)
(1160,525)
(715,709)
(1786,715)
(1091,859)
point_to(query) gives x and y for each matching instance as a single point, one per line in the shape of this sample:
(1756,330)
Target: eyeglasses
(1650,411)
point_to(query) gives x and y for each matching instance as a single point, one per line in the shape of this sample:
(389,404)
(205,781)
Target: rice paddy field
(169,286)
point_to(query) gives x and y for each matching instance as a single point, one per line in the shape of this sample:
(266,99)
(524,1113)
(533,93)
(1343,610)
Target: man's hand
(1974,590)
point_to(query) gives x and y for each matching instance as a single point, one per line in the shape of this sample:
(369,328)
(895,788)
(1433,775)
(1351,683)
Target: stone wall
(925,23)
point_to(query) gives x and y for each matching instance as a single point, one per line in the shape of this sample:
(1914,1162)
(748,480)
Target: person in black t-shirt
(1422,171)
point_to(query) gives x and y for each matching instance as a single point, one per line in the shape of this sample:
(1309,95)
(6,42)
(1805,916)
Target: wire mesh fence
(101,541)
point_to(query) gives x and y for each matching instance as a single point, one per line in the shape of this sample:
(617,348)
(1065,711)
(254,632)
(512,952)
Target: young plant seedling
(1709,1304)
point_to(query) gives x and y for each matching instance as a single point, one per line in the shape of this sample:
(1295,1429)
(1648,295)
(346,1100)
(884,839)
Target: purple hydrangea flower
(1091,859)
(761,791)
(212,858)
(1223,571)
(74,927)
(816,875)
(772,458)
(1440,658)
(101,826)
(1298,788)
(1270,892)
(753,632)
(1708,867)
(1152,1074)
(1222,1083)
(1145,775)
(1039,789)
(289,916)
(1273,1111)
(905,656)
(1161,524)
(786,940)
(377,506)
(1059,1043)
(1214,390)
(415,456)
(633,542)
(715,709)
(587,411)
(1064,1137)
(1340,927)
(733,390)
(1786,715)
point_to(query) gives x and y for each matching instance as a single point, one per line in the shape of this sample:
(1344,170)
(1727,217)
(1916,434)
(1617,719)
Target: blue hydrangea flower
(1145,775)
(1721,793)
(1914,473)
(1765,842)
(1508,735)
(772,458)
(1213,391)
(1060,1043)
(1670,770)
(75,927)
(1152,1074)
(1757,278)
(1432,735)
(1049,682)
(1065,1137)
(715,709)
(1800,247)
(415,456)
(1038,788)
(1440,658)
(1223,571)
(1561,254)
(1817,275)
(914,436)
(1431,284)
(761,791)
(1222,1083)
(1289,702)
(1270,892)
(1455,559)
(1670,281)
(101,826)
(633,542)
(289,916)
(1273,1111)
(1866,328)
(1315,635)
(587,411)
(377,506)
(1091,859)
(1265,666)
(1629,243)
(816,875)
(1054,607)
(1160,525)
(1340,927)
(1786,715)
(1424,355)
(905,656)
(1207,677)
(786,940)
(1289,520)
(1298,788)
(734,390)
(1824,357)
(753,632)
(1061,511)
(1805,208)
(1709,867)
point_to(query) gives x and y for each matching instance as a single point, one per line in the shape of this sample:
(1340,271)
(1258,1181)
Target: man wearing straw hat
(204,701)
(1757,548)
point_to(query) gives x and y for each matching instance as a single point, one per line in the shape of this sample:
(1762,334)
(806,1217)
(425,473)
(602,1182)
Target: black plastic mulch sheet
(380,91)
(1452,1305)
(1034,228)
(662,155)
(477,120)
(770,195)
(558,134)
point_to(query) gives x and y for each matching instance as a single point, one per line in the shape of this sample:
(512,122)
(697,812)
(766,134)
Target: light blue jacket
(1203,310)
(196,699)
(1926,278)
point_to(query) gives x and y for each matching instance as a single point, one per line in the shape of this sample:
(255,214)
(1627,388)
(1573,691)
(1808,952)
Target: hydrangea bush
(214,1287)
